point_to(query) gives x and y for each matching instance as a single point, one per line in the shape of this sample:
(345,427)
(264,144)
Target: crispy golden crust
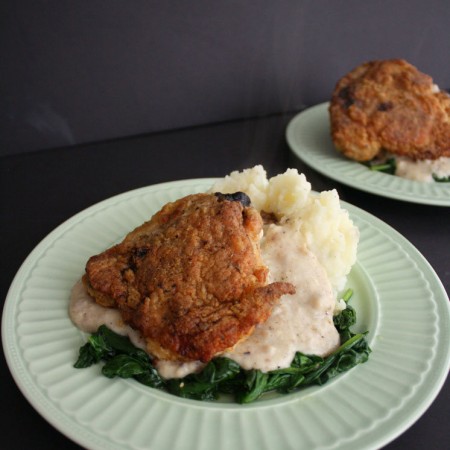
(389,105)
(191,279)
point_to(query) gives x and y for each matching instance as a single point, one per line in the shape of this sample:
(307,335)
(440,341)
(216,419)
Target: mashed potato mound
(324,226)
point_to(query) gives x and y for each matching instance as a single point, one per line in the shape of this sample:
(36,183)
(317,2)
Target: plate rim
(204,182)
(371,178)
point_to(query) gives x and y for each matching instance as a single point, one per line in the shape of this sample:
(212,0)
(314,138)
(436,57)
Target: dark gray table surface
(40,190)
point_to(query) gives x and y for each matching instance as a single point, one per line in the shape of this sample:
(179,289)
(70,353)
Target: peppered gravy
(422,170)
(300,322)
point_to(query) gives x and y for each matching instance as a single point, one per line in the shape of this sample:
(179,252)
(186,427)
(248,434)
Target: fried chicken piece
(191,279)
(389,105)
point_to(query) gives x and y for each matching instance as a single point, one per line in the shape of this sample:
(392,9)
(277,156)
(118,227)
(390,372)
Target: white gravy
(422,170)
(300,322)
(87,315)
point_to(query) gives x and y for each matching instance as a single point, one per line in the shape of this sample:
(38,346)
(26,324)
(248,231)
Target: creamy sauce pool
(422,170)
(300,322)
(87,315)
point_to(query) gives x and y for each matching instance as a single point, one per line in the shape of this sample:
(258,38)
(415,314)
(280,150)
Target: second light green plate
(308,136)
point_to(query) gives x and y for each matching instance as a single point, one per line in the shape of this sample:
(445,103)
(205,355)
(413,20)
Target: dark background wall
(80,71)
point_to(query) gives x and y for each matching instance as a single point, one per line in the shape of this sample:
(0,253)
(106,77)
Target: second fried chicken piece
(389,105)
(191,279)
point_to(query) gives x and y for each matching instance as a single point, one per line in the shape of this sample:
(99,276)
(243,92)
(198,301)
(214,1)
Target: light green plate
(308,136)
(398,297)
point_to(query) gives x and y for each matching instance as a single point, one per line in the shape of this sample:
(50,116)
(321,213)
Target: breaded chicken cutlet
(389,105)
(191,279)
